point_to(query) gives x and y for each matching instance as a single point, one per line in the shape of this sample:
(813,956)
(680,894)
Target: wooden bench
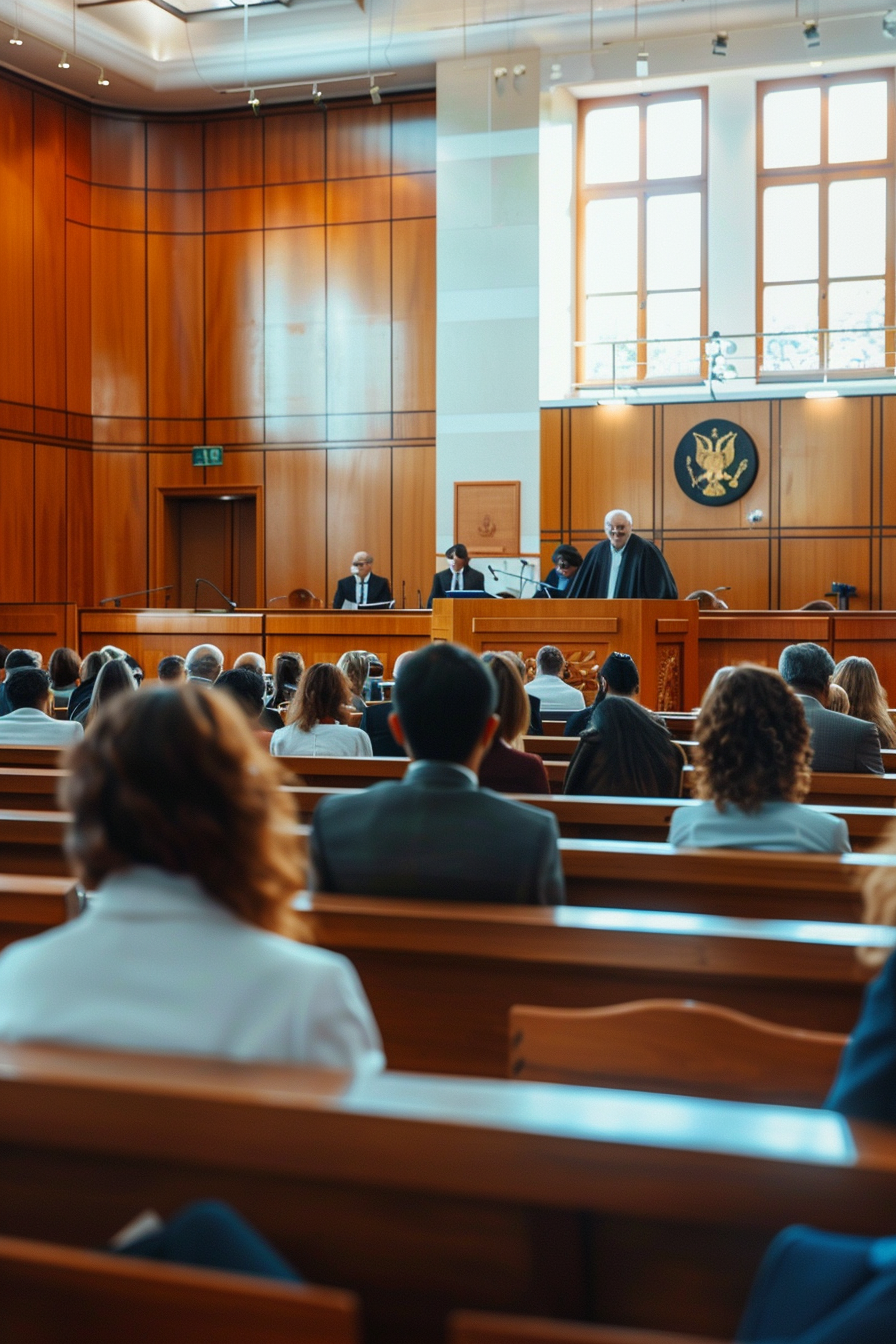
(482,1327)
(425,1195)
(30,905)
(31,842)
(52,1293)
(442,979)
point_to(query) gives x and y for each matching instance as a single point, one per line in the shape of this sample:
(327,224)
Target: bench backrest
(482,1327)
(674,1045)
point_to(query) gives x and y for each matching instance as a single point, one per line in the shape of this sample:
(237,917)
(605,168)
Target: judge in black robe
(644,572)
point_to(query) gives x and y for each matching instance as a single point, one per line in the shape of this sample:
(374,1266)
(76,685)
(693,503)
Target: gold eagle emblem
(714,456)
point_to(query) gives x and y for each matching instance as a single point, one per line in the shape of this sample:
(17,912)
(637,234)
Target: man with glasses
(625,565)
(362,588)
(566,561)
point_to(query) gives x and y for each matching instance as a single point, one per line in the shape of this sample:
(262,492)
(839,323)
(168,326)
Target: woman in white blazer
(180,829)
(316,719)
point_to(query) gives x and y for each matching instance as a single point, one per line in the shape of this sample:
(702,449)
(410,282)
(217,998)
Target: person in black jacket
(458,577)
(362,586)
(567,562)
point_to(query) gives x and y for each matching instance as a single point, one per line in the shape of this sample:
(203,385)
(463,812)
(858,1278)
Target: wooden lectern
(660,636)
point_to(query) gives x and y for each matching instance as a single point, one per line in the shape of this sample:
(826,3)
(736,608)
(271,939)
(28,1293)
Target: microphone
(141,592)
(229,600)
(492,572)
(723,588)
(403,601)
(280,598)
(419,599)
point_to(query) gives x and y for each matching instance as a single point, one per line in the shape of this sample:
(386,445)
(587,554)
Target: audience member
(505,767)
(16,659)
(435,835)
(254,661)
(179,826)
(838,742)
(838,700)
(548,684)
(618,676)
(29,722)
(355,667)
(116,653)
(63,669)
(246,686)
(535,724)
(114,678)
(376,720)
(317,721)
(626,752)
(288,669)
(867,698)
(205,663)
(79,700)
(752,771)
(172,670)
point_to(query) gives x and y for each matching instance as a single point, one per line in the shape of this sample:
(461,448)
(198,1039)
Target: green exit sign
(208,457)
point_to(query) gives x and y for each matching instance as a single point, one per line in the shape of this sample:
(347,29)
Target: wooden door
(215,540)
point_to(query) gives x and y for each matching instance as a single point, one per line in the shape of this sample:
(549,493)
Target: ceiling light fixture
(720,44)
(642,67)
(822,394)
(64,63)
(375,97)
(254,102)
(317,96)
(888,23)
(103,81)
(15,40)
(811,34)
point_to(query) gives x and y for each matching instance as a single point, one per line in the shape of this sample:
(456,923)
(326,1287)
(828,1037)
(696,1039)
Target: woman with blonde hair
(867,698)
(505,767)
(318,718)
(180,829)
(355,667)
(113,679)
(752,772)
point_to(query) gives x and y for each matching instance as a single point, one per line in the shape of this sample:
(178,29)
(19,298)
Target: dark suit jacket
(376,725)
(865,1086)
(436,836)
(535,724)
(441,583)
(378,590)
(840,742)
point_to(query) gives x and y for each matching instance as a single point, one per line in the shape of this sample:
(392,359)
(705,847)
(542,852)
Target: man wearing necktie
(362,587)
(459,577)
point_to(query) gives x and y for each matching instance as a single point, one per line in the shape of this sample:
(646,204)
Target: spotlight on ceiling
(642,64)
(375,96)
(254,100)
(316,95)
(15,40)
(64,63)
(103,81)
(720,44)
(888,23)
(811,34)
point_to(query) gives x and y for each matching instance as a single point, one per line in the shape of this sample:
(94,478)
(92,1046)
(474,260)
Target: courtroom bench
(30,905)
(426,1195)
(441,978)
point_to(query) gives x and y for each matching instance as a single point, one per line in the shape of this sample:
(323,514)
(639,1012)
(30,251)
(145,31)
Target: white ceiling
(156,61)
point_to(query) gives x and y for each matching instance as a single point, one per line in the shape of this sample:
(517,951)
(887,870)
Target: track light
(317,96)
(720,44)
(641,64)
(103,81)
(15,40)
(253,101)
(888,23)
(811,34)
(64,63)
(374,93)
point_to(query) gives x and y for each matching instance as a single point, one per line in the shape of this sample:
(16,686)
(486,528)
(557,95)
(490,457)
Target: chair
(480,1327)
(53,1293)
(303,597)
(674,1045)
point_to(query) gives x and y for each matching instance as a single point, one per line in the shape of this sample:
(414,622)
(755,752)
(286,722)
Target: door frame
(163,546)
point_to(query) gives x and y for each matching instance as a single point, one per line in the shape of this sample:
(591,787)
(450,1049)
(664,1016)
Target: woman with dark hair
(867,698)
(752,771)
(618,676)
(180,828)
(566,561)
(317,721)
(505,767)
(63,667)
(288,669)
(113,679)
(625,753)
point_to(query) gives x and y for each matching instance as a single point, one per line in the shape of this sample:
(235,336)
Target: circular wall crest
(716,462)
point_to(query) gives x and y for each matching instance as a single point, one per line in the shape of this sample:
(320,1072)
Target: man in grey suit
(436,835)
(838,742)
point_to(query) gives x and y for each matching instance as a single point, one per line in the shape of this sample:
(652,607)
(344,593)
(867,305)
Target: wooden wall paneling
(77,143)
(414,137)
(118,208)
(240,468)
(359,509)
(359,319)
(810,564)
(17,520)
(16,246)
(611,466)
(174,211)
(234,209)
(682,512)
(295,205)
(234,324)
(49,522)
(413,315)
(174,156)
(359,141)
(413,523)
(551,469)
(888,465)
(294,147)
(888,578)
(707,562)
(118,151)
(171,470)
(118,323)
(296,523)
(79,527)
(414,196)
(826,463)
(175,325)
(356,199)
(295,318)
(49,252)
(120,514)
(234,152)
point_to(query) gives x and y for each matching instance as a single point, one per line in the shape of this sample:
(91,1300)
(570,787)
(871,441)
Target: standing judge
(362,586)
(624,565)
(458,577)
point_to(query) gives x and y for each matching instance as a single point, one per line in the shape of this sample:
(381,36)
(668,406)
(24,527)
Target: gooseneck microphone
(229,600)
